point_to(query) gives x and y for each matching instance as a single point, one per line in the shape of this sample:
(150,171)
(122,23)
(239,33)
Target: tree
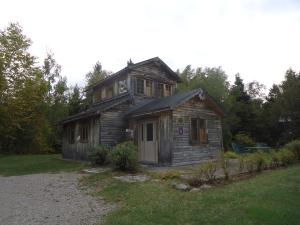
(75,101)
(96,75)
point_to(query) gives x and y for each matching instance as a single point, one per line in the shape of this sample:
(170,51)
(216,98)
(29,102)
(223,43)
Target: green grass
(272,197)
(14,165)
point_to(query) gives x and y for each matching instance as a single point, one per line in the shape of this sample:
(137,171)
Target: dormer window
(148,88)
(160,90)
(122,86)
(168,90)
(140,86)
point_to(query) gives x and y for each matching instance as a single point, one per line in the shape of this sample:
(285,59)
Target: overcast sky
(258,39)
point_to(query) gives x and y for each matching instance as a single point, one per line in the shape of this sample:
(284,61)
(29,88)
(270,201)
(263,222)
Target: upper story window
(168,90)
(109,92)
(140,86)
(160,90)
(148,88)
(198,131)
(122,86)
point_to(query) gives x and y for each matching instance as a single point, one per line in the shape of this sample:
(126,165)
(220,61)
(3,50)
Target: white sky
(258,39)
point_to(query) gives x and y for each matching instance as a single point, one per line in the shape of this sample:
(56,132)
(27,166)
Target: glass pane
(160,90)
(140,86)
(149,131)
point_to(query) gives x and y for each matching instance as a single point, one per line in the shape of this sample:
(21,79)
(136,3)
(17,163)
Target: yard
(272,197)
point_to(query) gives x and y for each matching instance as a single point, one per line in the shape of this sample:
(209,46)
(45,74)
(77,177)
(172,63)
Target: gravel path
(48,199)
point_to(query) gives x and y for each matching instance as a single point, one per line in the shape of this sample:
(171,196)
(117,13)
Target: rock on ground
(48,199)
(133,178)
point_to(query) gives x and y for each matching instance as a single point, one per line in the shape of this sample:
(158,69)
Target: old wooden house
(140,102)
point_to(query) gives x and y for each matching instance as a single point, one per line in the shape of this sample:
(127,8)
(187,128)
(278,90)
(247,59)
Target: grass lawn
(272,197)
(14,165)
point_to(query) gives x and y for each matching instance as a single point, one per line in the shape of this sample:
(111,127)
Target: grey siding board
(182,150)
(165,136)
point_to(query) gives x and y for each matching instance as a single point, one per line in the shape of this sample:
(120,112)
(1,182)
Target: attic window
(160,90)
(140,86)
(148,88)
(168,90)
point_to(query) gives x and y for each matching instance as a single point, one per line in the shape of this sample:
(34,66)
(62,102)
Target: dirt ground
(48,199)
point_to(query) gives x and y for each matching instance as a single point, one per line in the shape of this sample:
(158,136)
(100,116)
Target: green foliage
(230,155)
(124,156)
(286,156)
(99,155)
(244,139)
(294,146)
(170,174)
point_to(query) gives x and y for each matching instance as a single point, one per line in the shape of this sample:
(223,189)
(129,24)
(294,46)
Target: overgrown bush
(124,156)
(208,170)
(244,139)
(99,155)
(286,156)
(230,155)
(169,175)
(275,158)
(295,147)
(195,181)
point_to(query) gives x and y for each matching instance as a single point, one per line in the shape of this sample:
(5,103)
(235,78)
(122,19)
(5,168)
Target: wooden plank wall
(78,150)
(183,152)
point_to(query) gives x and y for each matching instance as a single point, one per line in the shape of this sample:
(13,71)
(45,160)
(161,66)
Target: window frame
(148,87)
(140,87)
(84,133)
(201,133)
(168,86)
(108,90)
(160,92)
(122,86)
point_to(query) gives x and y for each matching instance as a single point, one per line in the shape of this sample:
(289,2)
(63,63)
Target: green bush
(244,139)
(256,161)
(230,155)
(295,147)
(99,155)
(208,170)
(124,156)
(286,156)
(275,158)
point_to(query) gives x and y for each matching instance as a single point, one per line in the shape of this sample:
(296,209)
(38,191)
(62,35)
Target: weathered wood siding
(165,138)
(113,125)
(183,152)
(79,150)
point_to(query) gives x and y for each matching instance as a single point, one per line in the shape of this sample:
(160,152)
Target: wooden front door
(148,141)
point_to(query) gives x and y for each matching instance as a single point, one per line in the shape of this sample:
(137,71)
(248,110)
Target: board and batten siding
(183,152)
(79,150)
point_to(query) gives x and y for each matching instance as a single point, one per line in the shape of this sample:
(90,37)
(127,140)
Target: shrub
(230,155)
(169,175)
(256,161)
(99,155)
(295,147)
(225,162)
(208,170)
(195,181)
(286,156)
(244,139)
(275,158)
(124,156)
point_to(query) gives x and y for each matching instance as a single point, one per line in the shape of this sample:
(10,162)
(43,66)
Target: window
(148,88)
(140,86)
(198,131)
(122,86)
(168,90)
(149,128)
(71,134)
(97,96)
(142,131)
(84,133)
(109,92)
(160,90)
(103,93)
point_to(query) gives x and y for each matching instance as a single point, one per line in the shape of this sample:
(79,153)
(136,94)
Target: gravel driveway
(48,199)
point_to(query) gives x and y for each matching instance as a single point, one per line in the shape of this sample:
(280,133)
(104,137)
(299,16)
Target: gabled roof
(135,66)
(170,103)
(98,108)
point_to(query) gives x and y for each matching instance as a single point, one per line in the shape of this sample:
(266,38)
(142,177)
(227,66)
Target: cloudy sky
(260,39)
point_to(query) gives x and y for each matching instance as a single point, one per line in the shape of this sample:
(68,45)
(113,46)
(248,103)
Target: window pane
(148,88)
(109,92)
(149,131)
(202,126)
(142,131)
(140,86)
(168,90)
(160,90)
(194,130)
